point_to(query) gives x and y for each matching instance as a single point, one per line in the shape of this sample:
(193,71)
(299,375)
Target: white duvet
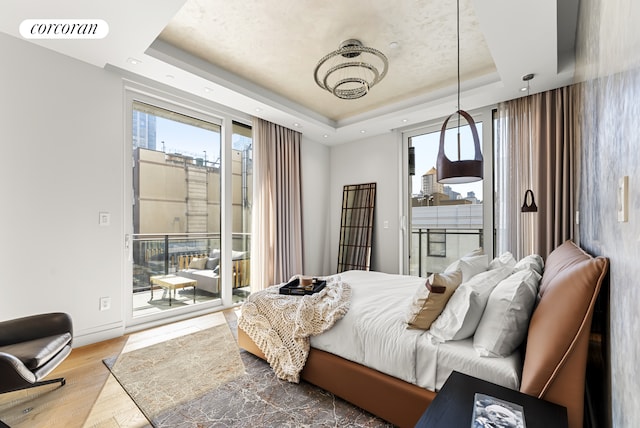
(374,333)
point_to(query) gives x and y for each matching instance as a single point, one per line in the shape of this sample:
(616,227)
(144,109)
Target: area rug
(233,389)
(167,375)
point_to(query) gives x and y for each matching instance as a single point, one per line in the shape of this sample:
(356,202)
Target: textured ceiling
(256,57)
(277,44)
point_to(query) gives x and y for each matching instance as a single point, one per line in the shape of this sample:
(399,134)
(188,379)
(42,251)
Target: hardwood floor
(69,405)
(92,397)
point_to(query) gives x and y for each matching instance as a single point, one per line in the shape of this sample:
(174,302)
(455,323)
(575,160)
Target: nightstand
(453,406)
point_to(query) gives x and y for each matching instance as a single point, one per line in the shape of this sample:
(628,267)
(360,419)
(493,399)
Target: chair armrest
(10,364)
(34,327)
(14,374)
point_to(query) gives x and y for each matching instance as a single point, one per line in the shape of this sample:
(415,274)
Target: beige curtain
(276,245)
(548,166)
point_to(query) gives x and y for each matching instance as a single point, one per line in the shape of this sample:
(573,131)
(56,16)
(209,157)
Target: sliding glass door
(176,209)
(179,245)
(446,221)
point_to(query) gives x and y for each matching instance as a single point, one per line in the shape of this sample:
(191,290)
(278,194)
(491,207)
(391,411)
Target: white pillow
(504,259)
(470,266)
(462,314)
(238,255)
(533,261)
(477,252)
(505,321)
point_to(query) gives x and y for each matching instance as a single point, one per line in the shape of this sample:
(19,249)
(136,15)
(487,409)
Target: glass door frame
(485,115)
(211,113)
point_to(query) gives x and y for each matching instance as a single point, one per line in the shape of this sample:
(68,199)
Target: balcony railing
(161,254)
(432,250)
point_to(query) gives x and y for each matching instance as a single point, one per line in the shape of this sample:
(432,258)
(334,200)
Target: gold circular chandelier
(351,71)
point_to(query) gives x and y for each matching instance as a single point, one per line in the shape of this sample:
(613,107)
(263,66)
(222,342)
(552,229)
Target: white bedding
(373,333)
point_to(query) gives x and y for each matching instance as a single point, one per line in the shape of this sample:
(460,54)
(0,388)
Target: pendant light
(351,71)
(529,203)
(460,171)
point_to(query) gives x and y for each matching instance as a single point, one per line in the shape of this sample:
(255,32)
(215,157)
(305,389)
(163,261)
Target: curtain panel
(276,247)
(537,149)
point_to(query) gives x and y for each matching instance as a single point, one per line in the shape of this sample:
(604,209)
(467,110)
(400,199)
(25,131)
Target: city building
(144,130)
(430,183)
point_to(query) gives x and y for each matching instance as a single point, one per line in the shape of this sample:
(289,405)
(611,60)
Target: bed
(390,385)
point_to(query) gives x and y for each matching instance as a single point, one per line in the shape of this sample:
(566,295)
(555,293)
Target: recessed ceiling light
(170,76)
(296,124)
(133,61)
(326,136)
(523,89)
(404,120)
(208,89)
(394,45)
(362,131)
(258,109)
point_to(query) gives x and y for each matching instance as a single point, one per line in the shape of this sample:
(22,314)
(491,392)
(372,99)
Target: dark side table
(454,404)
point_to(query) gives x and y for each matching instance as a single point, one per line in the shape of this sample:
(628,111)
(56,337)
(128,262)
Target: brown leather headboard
(558,337)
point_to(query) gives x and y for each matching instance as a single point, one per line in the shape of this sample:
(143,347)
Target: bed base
(389,398)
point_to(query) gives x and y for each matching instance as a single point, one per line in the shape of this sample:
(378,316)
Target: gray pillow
(212,263)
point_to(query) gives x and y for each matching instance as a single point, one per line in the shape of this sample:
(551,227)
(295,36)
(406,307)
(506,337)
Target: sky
(194,141)
(186,139)
(426,151)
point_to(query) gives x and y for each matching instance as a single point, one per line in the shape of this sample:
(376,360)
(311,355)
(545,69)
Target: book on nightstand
(491,412)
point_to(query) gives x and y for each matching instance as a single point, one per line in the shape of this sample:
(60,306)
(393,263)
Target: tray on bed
(294,288)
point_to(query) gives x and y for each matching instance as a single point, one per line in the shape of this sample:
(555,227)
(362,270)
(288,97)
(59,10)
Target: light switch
(623,199)
(104,219)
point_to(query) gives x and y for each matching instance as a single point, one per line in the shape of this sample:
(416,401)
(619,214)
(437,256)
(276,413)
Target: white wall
(62,134)
(369,160)
(315,162)
(62,155)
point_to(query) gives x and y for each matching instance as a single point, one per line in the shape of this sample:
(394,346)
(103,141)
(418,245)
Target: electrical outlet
(105,303)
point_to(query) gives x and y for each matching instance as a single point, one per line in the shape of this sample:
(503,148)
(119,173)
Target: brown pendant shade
(460,171)
(529,203)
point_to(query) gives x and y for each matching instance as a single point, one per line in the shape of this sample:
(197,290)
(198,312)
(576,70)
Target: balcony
(173,253)
(433,249)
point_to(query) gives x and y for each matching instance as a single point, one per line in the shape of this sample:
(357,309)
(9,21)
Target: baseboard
(98,334)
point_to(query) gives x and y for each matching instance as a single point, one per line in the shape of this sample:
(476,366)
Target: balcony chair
(31,347)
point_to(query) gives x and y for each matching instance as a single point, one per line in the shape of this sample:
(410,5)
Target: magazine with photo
(491,412)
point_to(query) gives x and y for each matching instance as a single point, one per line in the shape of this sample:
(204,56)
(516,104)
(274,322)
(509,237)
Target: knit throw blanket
(280,325)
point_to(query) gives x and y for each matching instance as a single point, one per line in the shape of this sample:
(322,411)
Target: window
(436,243)
(446,221)
(177,178)
(242,189)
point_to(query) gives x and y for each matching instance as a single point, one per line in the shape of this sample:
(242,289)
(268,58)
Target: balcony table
(173,282)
